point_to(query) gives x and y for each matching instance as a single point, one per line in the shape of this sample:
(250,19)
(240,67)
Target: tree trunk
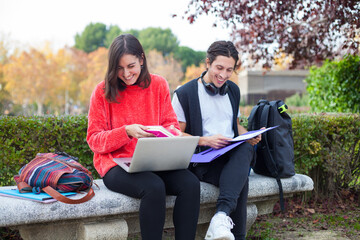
(39,108)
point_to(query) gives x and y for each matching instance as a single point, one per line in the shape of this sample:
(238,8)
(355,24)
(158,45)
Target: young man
(209,107)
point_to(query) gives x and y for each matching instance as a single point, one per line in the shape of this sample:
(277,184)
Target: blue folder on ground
(41,197)
(211,153)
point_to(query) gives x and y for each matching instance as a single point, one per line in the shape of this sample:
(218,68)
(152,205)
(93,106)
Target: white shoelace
(227,221)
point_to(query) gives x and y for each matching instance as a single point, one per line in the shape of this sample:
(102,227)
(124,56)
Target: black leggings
(152,188)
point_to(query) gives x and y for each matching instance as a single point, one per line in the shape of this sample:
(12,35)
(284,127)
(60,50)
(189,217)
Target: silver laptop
(160,154)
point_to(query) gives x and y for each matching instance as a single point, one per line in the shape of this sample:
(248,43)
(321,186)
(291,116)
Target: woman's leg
(150,189)
(186,187)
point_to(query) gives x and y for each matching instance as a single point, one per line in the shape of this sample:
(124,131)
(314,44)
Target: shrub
(326,146)
(335,86)
(23,137)
(298,100)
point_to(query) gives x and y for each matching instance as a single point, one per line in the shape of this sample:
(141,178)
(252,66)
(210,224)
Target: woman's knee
(155,188)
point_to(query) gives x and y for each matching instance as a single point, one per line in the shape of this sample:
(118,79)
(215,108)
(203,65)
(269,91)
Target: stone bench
(110,215)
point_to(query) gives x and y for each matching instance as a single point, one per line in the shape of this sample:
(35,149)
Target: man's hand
(216,141)
(255,140)
(137,131)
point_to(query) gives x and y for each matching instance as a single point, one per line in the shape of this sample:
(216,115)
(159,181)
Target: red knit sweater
(106,134)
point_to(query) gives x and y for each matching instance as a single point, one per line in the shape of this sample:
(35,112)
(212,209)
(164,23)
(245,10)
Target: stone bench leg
(109,230)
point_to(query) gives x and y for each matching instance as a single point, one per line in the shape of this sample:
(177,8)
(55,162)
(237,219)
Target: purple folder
(211,153)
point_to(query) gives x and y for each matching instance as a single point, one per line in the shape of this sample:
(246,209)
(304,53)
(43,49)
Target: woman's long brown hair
(124,44)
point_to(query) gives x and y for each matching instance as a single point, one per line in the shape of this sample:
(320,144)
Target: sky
(34,22)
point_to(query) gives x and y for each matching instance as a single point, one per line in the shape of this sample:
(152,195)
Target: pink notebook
(159,131)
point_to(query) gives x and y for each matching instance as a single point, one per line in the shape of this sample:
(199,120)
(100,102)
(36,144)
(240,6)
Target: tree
(309,31)
(5,98)
(72,66)
(188,56)
(134,32)
(281,61)
(335,86)
(111,34)
(193,72)
(162,40)
(96,35)
(96,69)
(31,78)
(166,67)
(91,38)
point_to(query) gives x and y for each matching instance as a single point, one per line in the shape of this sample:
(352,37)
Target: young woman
(209,107)
(120,107)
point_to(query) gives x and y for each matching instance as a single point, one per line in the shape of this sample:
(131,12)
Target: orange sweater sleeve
(100,135)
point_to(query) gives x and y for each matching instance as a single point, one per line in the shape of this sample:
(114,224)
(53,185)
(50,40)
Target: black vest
(189,100)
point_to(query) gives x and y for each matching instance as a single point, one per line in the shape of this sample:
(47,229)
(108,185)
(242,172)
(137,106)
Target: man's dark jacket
(189,100)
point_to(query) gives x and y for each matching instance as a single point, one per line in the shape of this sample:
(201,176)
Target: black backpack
(275,151)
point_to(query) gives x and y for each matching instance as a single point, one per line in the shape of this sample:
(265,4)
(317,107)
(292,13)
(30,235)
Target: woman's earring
(141,66)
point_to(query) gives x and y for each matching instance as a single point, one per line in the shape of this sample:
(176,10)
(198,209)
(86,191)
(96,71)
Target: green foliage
(327,147)
(298,100)
(91,38)
(188,57)
(162,40)
(340,216)
(111,34)
(23,137)
(134,32)
(5,98)
(335,86)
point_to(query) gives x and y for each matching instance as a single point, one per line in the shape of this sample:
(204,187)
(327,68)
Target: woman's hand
(216,141)
(175,131)
(137,131)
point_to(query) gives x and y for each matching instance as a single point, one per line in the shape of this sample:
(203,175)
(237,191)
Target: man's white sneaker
(219,229)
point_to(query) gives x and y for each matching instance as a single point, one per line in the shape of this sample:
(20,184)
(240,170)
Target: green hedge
(327,149)
(22,138)
(326,145)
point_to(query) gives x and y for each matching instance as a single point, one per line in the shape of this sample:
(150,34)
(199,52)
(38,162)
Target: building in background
(271,85)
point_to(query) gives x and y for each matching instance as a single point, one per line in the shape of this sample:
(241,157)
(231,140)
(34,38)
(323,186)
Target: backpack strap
(55,194)
(24,187)
(265,116)
(281,194)
(272,167)
(255,109)
(251,118)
